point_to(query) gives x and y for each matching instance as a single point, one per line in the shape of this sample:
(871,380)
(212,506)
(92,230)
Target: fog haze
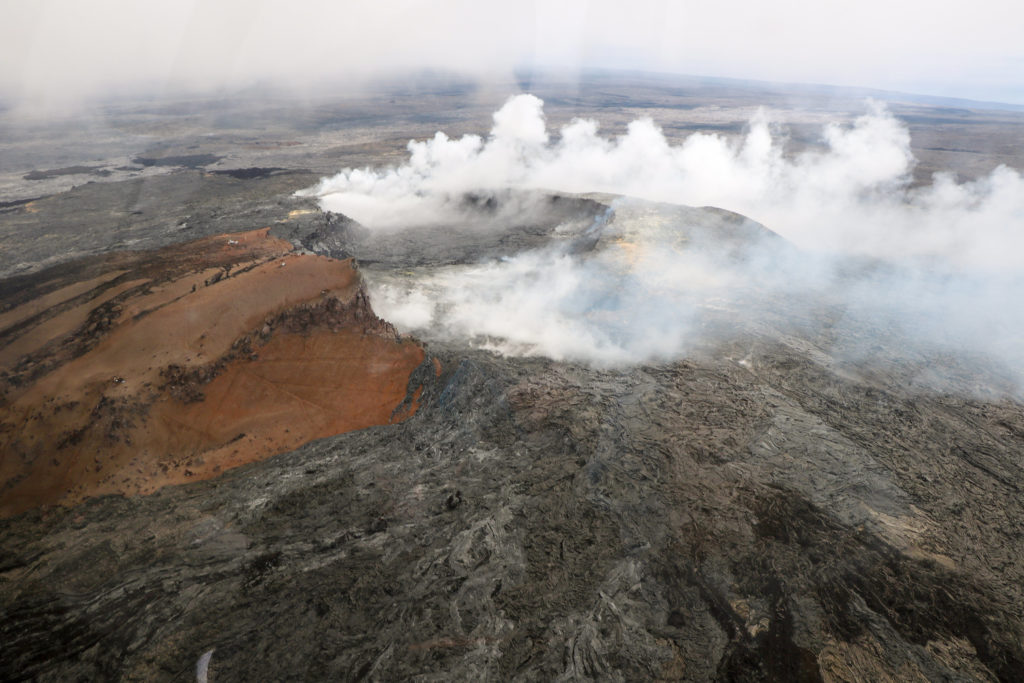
(57,52)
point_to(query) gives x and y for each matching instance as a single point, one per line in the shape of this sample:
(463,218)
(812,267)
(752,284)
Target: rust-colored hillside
(137,370)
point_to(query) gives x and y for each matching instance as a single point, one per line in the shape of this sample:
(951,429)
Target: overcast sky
(53,51)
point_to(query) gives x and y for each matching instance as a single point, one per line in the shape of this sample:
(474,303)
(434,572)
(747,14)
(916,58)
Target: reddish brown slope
(185,363)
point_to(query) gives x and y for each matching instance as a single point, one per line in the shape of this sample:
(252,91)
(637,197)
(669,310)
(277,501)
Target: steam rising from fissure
(940,264)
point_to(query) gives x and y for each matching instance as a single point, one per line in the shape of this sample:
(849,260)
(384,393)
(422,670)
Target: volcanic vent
(125,373)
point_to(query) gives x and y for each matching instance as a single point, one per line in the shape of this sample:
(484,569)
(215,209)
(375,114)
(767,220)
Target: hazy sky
(59,50)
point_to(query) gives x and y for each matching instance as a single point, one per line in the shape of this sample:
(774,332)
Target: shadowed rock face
(177,365)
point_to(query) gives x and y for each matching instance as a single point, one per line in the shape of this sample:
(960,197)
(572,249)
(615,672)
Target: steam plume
(957,246)
(852,197)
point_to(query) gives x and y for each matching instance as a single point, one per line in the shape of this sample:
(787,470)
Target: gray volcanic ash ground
(716,394)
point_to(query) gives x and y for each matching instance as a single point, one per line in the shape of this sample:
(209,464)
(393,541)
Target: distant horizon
(522,78)
(854,90)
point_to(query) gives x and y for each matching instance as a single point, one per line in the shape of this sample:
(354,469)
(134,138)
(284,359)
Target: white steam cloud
(853,197)
(959,246)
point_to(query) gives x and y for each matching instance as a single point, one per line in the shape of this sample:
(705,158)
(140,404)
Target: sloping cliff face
(131,372)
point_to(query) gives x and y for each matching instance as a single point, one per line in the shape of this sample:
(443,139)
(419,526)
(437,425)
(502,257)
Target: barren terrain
(353,504)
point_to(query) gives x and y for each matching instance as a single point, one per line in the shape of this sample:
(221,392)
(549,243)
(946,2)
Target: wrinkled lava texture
(126,373)
(766,508)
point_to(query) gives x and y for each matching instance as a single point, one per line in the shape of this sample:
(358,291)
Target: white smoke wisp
(603,310)
(955,251)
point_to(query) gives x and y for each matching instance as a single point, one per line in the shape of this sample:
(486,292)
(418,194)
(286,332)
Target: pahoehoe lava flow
(247,438)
